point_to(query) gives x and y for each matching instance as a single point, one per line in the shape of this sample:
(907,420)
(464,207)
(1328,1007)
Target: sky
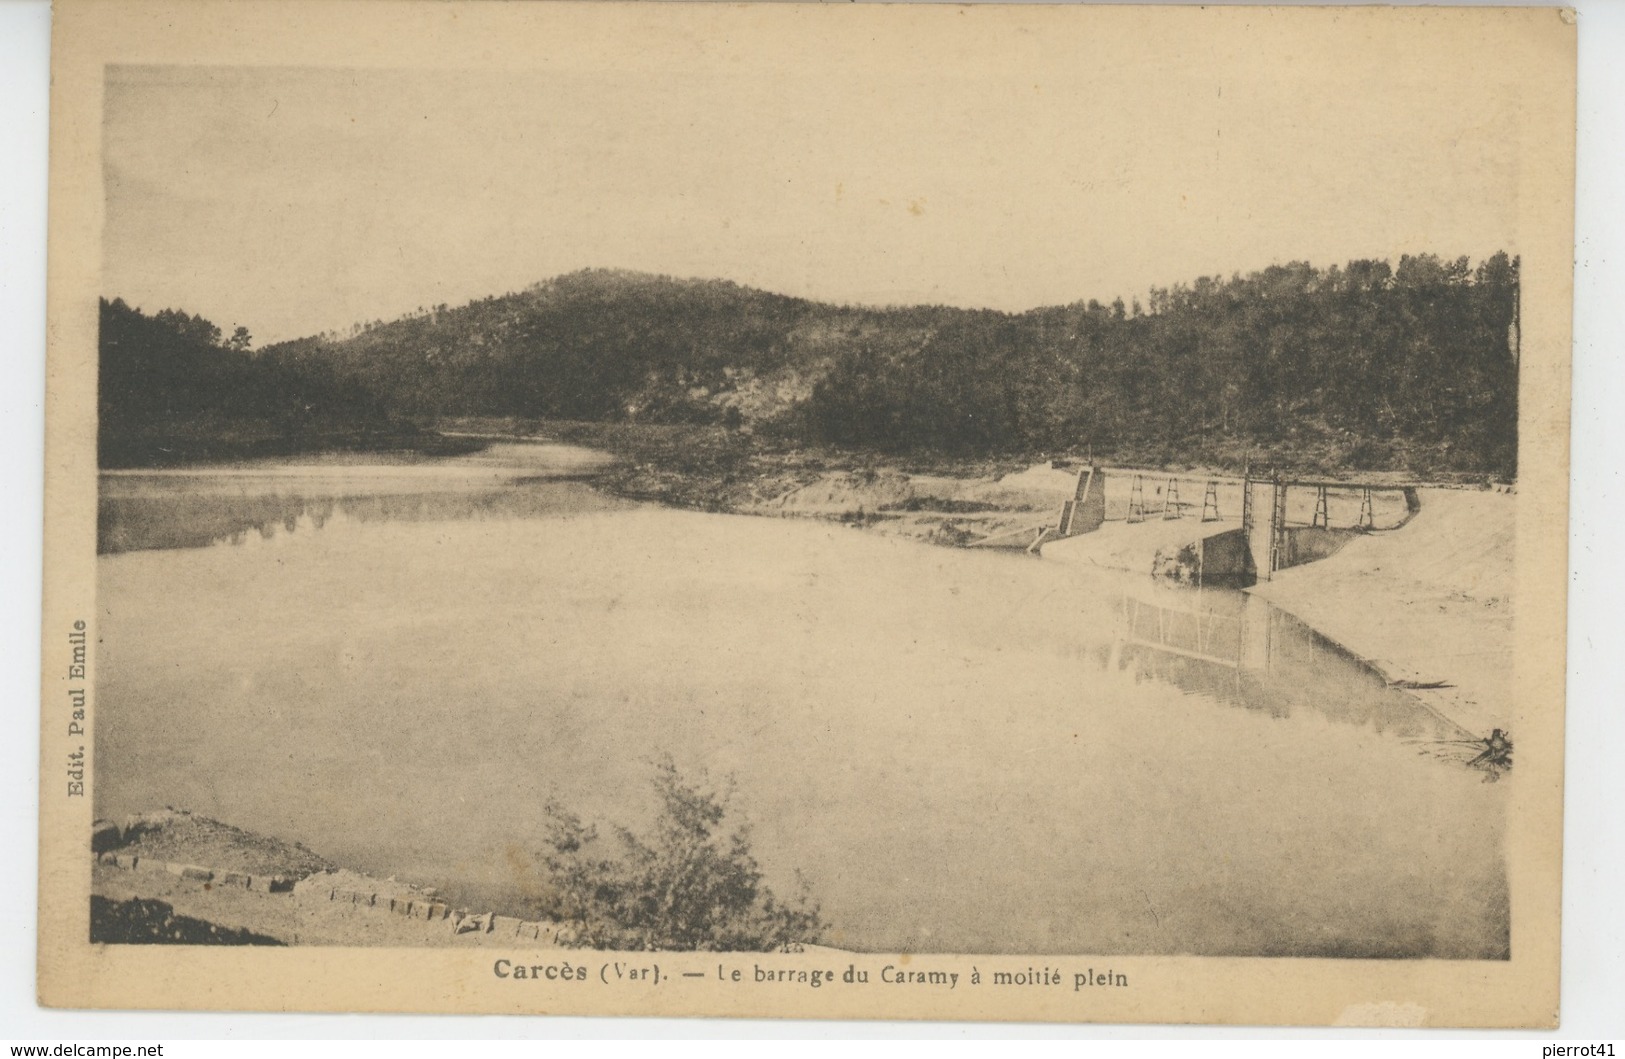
(985,165)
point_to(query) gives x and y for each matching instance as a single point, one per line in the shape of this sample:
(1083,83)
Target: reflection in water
(1243,651)
(235,504)
(173,516)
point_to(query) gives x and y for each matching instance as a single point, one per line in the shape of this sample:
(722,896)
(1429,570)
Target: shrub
(689,884)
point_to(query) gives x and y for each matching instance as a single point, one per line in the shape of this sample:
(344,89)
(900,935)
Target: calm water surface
(399,664)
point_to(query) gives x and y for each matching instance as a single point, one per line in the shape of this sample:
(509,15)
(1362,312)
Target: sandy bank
(1430,603)
(929,507)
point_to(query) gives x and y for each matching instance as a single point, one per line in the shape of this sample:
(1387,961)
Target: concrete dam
(1241,532)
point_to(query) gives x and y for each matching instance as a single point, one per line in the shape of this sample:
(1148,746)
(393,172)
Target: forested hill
(1363,366)
(615,345)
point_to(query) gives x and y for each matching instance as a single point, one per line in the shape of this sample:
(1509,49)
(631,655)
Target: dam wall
(1305,544)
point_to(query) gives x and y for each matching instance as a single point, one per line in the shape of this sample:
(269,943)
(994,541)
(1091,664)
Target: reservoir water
(399,664)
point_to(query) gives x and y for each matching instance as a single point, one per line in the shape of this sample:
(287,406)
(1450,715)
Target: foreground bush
(689,884)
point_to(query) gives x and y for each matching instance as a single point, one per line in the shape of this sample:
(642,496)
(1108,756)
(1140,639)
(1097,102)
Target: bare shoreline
(1426,604)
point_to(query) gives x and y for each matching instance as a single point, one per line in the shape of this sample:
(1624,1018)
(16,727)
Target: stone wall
(383,897)
(270,884)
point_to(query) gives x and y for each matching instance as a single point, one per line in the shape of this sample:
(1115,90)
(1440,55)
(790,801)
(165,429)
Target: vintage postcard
(918,511)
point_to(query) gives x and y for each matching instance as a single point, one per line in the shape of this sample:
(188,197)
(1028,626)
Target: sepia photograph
(954,511)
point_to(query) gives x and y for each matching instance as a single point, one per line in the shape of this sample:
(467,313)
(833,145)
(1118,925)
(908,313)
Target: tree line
(1366,365)
(1365,361)
(172,388)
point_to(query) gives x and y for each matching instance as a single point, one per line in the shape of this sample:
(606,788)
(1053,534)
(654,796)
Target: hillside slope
(607,344)
(1365,367)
